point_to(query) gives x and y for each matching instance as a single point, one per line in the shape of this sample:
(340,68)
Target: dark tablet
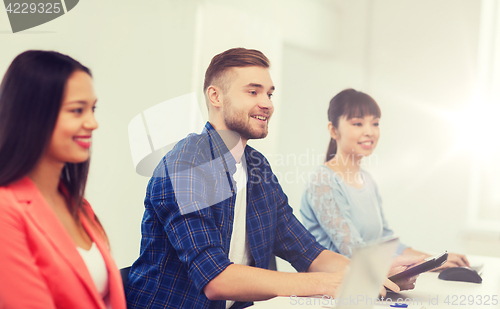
(430,264)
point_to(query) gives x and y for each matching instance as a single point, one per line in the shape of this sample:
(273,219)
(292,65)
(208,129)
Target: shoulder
(260,171)
(324,183)
(88,209)
(255,157)
(17,194)
(323,176)
(7,199)
(192,150)
(88,214)
(194,146)
(259,166)
(5,194)
(12,210)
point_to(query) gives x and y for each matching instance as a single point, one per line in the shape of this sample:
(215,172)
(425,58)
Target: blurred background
(432,65)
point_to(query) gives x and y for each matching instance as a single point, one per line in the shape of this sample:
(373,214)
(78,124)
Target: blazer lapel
(116,291)
(46,220)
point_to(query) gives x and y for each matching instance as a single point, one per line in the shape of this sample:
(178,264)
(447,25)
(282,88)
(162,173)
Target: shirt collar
(219,148)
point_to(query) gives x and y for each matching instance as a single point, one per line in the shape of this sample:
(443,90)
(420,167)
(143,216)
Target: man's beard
(236,120)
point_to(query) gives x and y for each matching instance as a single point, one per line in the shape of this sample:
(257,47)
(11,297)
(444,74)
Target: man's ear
(333,131)
(215,96)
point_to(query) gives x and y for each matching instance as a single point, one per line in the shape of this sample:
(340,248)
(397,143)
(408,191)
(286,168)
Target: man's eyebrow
(253,85)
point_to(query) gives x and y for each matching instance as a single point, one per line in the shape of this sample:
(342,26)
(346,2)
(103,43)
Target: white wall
(415,58)
(419,63)
(137,61)
(412,56)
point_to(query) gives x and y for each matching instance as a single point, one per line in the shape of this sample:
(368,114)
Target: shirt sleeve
(293,242)
(331,210)
(181,198)
(21,283)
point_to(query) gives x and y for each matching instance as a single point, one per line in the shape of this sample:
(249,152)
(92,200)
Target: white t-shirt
(98,270)
(239,250)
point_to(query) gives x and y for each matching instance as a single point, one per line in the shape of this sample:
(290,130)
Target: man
(215,212)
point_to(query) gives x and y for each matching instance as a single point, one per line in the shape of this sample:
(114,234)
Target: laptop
(366,273)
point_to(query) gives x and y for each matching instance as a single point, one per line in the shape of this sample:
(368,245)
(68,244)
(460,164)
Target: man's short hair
(235,57)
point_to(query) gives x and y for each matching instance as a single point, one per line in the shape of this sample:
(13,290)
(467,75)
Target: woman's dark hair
(31,94)
(352,104)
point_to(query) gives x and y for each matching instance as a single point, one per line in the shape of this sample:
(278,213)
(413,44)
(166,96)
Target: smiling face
(71,138)
(246,107)
(356,136)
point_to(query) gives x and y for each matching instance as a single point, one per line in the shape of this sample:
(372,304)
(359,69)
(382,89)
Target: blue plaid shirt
(187,224)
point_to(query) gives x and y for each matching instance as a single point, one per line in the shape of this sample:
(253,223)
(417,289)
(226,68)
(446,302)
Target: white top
(97,269)
(239,250)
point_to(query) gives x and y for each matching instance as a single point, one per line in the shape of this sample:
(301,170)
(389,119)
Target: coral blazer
(40,266)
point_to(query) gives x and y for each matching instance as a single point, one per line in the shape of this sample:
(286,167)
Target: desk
(430,292)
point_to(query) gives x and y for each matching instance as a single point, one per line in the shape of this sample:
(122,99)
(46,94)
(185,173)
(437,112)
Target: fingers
(407,260)
(466,261)
(412,279)
(383,292)
(396,270)
(391,285)
(461,263)
(458,260)
(462,260)
(407,286)
(403,262)
(454,260)
(447,264)
(411,282)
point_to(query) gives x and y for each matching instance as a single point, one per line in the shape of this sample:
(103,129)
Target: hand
(399,264)
(330,282)
(388,284)
(403,262)
(454,260)
(407,284)
(335,279)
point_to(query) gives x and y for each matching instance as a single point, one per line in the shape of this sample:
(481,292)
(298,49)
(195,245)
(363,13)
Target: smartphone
(429,264)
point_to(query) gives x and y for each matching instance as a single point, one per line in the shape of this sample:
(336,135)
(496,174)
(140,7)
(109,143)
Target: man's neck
(237,152)
(233,141)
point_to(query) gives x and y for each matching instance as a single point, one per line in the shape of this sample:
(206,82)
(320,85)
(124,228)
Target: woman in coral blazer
(54,252)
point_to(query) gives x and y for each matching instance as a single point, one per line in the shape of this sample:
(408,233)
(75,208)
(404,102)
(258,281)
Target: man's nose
(266,103)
